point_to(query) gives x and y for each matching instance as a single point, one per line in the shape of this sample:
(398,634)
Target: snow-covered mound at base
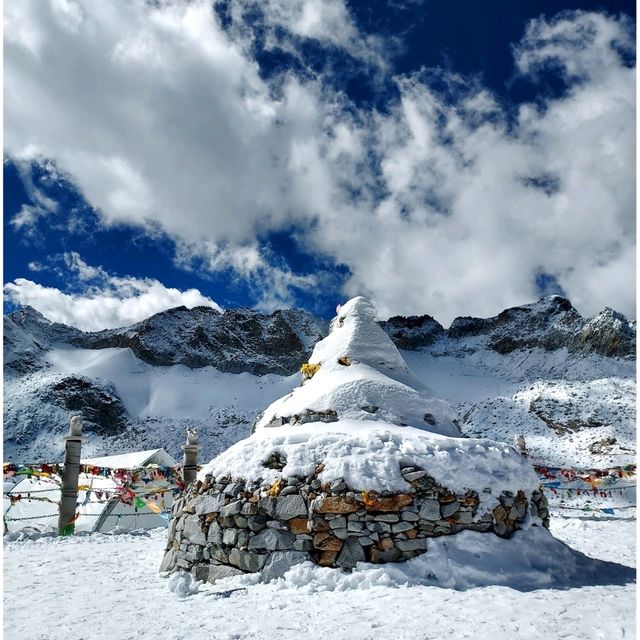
(370,457)
(357,373)
(531,559)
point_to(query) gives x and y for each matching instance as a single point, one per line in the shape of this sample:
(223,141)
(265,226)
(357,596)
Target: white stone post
(190,458)
(69,497)
(521,445)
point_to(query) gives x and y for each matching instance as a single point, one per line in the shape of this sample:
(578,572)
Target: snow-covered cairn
(360,463)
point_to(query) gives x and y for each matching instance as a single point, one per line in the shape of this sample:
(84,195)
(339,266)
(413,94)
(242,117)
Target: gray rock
(246,560)
(241,522)
(219,571)
(338,523)
(448,509)
(288,507)
(356,527)
(289,490)
(243,539)
(400,527)
(414,475)
(209,504)
(414,544)
(341,534)
(379,527)
(430,510)
(465,517)
(229,536)
(272,540)
(276,524)
(234,488)
(249,509)
(231,509)
(193,530)
(279,562)
(386,517)
(215,533)
(303,545)
(257,523)
(338,485)
(219,555)
(409,516)
(365,541)
(351,554)
(169,560)
(268,505)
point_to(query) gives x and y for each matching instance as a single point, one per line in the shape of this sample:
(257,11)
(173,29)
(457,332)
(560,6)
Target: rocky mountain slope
(566,382)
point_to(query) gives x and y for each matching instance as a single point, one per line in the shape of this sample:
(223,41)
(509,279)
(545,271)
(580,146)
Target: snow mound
(369,457)
(531,559)
(357,373)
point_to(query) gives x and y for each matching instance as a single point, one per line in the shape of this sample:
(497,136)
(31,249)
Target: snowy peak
(236,341)
(356,373)
(551,324)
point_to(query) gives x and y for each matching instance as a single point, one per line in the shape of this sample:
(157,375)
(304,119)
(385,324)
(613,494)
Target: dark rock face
(414,332)
(27,336)
(550,324)
(468,326)
(235,341)
(100,407)
(609,333)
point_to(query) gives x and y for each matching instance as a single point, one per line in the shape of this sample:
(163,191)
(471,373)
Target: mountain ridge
(539,369)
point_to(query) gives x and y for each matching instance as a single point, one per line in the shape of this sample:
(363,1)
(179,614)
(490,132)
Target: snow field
(120,595)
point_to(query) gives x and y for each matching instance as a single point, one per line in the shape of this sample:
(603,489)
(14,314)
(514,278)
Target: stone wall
(222,527)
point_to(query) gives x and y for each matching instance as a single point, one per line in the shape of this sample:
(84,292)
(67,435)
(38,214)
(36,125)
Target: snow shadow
(531,559)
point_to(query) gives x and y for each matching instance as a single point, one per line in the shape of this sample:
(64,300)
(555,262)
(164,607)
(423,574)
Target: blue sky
(442,158)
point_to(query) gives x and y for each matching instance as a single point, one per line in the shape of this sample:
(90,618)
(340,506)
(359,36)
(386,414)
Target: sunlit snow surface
(529,587)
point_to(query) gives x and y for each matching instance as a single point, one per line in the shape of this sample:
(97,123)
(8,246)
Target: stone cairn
(226,525)
(222,526)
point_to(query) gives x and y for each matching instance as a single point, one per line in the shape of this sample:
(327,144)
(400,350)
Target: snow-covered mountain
(566,382)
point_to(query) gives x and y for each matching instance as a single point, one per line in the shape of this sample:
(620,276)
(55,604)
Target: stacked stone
(223,527)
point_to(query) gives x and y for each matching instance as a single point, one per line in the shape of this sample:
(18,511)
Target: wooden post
(190,458)
(69,497)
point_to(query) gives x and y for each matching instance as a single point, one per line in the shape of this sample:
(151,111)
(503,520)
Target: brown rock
(298,525)
(385,543)
(326,542)
(412,533)
(445,498)
(393,503)
(388,555)
(338,504)
(210,517)
(319,524)
(327,558)
(499,513)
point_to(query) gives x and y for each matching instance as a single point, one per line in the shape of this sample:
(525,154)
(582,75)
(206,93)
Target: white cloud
(163,120)
(110,302)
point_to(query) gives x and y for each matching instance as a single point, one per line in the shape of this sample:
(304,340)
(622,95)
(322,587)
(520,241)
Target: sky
(439,158)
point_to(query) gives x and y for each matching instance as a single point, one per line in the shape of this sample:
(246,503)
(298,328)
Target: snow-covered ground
(107,586)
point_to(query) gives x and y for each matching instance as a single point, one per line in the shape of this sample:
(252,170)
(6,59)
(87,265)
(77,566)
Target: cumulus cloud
(447,205)
(107,303)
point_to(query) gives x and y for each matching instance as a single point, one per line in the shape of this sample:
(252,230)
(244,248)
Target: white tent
(31,502)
